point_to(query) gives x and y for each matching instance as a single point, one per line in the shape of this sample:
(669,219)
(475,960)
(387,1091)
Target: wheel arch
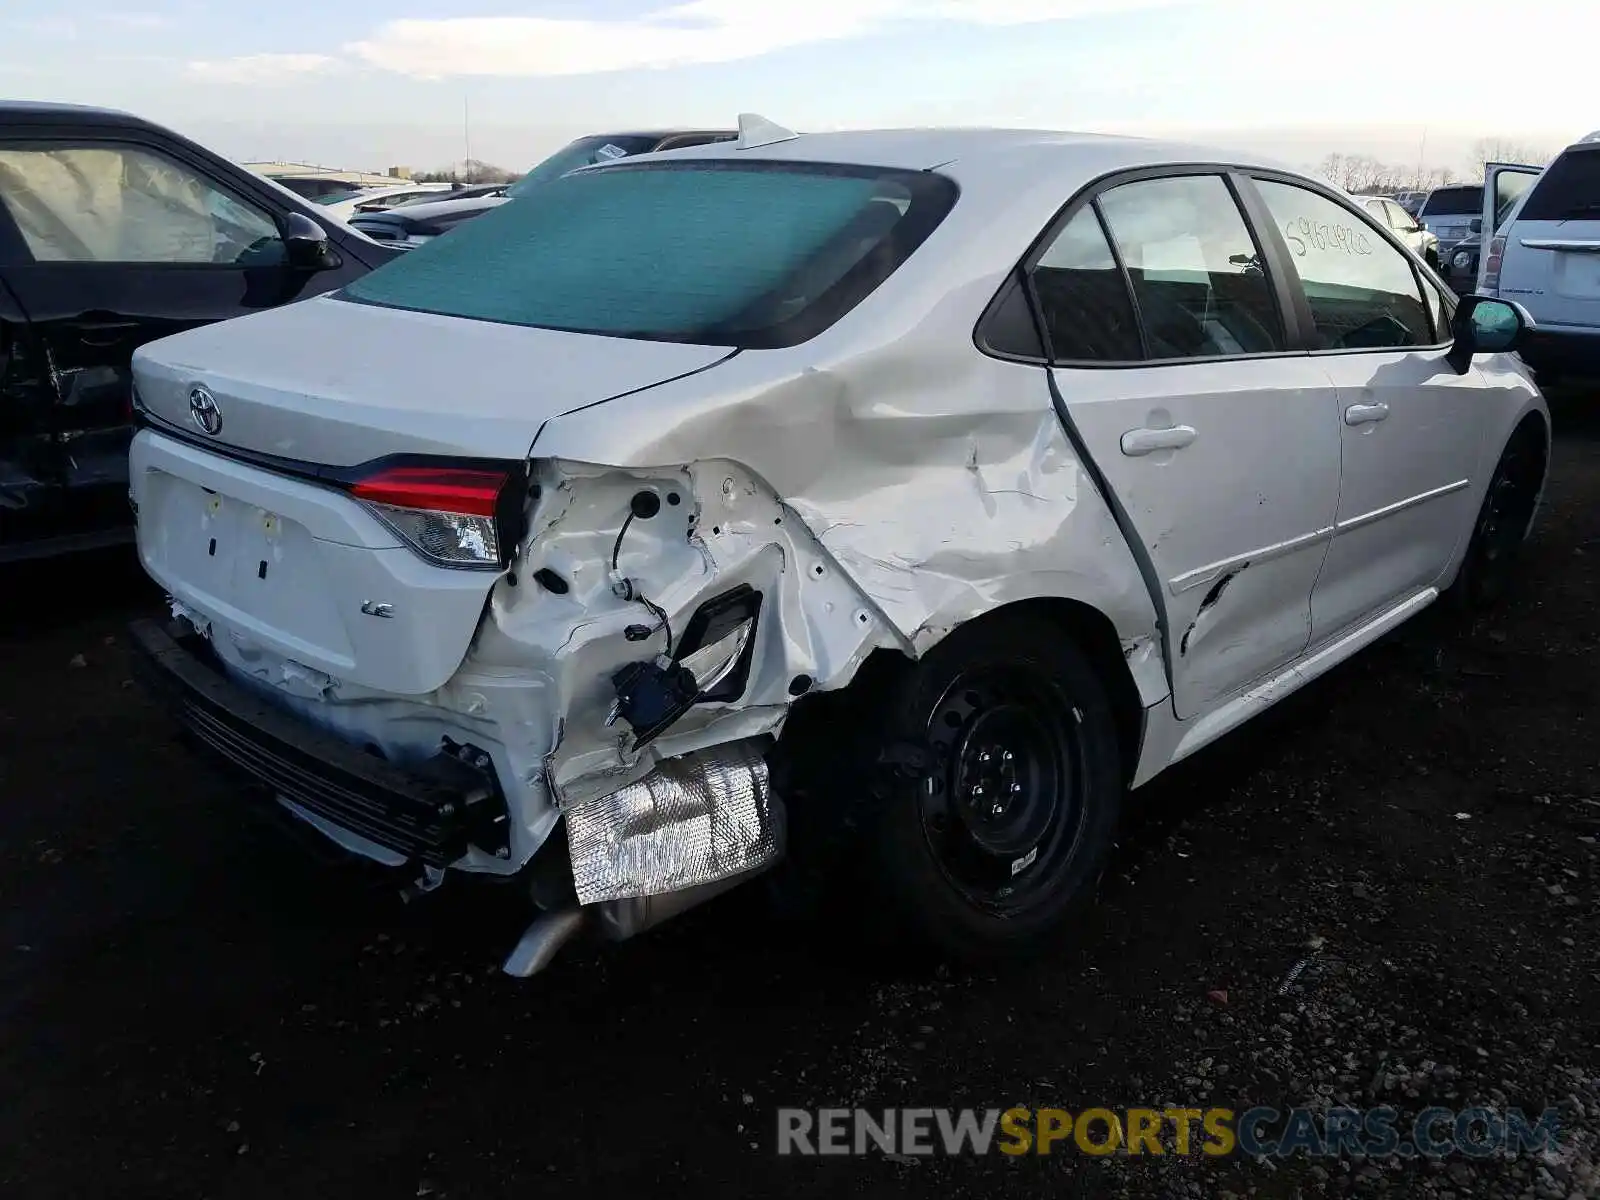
(1090,629)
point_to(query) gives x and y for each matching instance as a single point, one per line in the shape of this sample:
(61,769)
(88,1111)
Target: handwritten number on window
(1304,234)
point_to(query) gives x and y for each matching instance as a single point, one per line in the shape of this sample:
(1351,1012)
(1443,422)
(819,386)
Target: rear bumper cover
(430,812)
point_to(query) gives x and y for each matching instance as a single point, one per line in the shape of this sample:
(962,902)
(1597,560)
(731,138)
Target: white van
(1545,255)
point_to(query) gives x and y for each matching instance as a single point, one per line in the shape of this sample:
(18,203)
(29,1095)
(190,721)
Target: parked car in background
(379,199)
(1411,201)
(918,496)
(1451,214)
(1545,255)
(113,232)
(1405,227)
(421,223)
(320,189)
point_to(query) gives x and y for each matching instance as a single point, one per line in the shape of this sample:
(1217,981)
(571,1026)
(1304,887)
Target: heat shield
(692,821)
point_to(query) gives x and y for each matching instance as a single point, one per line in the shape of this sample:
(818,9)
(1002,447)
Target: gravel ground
(1383,892)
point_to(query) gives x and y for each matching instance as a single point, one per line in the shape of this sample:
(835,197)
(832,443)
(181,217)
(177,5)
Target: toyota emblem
(204,412)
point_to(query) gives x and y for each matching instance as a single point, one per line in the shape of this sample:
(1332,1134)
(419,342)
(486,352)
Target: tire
(979,858)
(1488,568)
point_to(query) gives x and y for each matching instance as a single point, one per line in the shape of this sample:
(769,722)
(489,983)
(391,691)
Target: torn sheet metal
(942,487)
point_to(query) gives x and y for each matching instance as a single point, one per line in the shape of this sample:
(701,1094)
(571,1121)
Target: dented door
(115,242)
(29,447)
(1218,443)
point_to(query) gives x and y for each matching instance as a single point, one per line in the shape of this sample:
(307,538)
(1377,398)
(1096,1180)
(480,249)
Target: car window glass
(1569,188)
(1362,290)
(1084,297)
(1398,217)
(1453,202)
(127,204)
(1197,276)
(751,255)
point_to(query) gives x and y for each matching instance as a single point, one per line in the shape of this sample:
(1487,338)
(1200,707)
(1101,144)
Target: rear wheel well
(1090,629)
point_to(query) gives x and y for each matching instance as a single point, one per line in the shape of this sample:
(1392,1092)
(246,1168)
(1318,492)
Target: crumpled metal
(694,820)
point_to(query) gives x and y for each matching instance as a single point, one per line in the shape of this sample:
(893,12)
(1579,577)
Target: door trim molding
(1201,576)
(1399,506)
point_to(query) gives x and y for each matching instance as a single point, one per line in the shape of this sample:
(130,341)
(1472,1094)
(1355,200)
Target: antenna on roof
(756,130)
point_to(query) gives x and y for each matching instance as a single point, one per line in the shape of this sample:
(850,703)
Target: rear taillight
(452,516)
(1491,266)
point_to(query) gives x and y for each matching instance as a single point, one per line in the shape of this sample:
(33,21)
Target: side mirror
(1484,325)
(1477,225)
(307,244)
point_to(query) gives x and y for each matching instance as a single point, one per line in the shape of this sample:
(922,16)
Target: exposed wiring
(616,547)
(632,590)
(660,612)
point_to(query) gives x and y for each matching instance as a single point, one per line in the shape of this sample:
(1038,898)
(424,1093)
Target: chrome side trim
(1399,506)
(1201,576)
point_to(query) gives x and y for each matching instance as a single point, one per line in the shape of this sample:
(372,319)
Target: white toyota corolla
(899,497)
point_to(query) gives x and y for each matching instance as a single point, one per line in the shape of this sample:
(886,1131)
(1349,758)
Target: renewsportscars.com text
(1215,1132)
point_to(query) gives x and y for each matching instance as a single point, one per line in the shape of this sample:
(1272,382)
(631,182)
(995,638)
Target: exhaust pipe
(541,941)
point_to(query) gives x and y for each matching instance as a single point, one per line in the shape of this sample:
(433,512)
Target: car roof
(448,204)
(48,112)
(981,159)
(927,148)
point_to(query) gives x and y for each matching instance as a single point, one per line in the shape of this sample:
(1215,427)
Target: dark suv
(114,232)
(414,224)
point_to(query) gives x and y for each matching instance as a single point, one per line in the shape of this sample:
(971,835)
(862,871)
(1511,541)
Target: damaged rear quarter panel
(937,480)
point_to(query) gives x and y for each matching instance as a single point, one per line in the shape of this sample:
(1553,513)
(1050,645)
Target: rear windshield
(746,254)
(1453,202)
(582,153)
(1568,189)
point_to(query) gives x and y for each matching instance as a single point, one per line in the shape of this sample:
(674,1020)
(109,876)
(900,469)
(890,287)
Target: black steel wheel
(1489,566)
(1008,817)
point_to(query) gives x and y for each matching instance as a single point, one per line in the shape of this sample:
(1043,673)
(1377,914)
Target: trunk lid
(305,587)
(334,382)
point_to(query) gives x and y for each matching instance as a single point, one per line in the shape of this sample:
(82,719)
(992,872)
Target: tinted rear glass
(717,253)
(582,153)
(1454,202)
(1568,189)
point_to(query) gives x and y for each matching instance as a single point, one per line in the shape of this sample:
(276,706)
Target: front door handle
(1365,414)
(1139,442)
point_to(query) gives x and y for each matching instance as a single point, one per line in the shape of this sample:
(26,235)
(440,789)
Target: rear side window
(1453,202)
(749,255)
(1199,283)
(1363,292)
(1083,297)
(1568,190)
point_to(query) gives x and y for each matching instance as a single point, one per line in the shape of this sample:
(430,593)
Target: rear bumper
(1567,352)
(429,813)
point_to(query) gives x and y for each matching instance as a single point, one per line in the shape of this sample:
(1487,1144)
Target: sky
(422,83)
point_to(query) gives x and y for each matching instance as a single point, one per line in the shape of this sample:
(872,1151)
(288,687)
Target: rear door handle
(1139,442)
(1365,414)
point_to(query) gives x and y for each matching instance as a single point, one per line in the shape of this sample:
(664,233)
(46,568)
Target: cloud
(699,31)
(138,20)
(261,68)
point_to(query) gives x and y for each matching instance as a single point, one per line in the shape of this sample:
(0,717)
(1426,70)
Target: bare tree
(1506,150)
(469,171)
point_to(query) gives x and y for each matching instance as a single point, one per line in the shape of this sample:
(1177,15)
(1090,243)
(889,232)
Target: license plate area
(1578,275)
(257,568)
